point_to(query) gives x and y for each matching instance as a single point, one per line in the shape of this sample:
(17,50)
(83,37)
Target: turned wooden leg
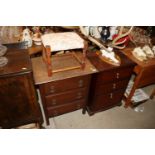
(134,87)
(153,94)
(128,100)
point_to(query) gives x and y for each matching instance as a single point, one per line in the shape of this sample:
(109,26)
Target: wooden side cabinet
(18,101)
(108,84)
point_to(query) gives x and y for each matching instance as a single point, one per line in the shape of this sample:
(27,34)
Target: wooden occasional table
(145,74)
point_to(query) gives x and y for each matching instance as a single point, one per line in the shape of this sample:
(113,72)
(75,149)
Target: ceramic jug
(104,32)
(27,37)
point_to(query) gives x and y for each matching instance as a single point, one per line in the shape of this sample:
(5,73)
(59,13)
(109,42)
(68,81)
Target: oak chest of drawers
(64,96)
(63,92)
(109,83)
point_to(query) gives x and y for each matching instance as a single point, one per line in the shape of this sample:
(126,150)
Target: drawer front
(114,75)
(67,84)
(58,110)
(66,97)
(110,87)
(108,100)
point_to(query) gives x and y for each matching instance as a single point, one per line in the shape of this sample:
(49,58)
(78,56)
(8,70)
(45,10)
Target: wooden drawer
(58,110)
(107,100)
(110,87)
(65,85)
(114,75)
(66,97)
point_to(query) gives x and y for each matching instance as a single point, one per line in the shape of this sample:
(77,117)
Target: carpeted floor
(115,118)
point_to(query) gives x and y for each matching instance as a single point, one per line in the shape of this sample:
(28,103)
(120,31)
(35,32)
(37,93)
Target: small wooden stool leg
(47,59)
(84,54)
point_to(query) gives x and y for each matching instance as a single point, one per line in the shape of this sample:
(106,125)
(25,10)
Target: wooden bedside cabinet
(108,84)
(65,91)
(18,101)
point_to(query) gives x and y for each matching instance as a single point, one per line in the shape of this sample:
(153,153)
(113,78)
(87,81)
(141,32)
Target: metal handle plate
(78,106)
(79,95)
(114,86)
(55,112)
(117,75)
(111,95)
(52,89)
(54,101)
(80,83)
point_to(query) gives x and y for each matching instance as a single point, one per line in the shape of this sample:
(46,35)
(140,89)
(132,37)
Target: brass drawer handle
(55,112)
(111,95)
(80,83)
(114,86)
(54,101)
(78,106)
(52,89)
(117,75)
(79,95)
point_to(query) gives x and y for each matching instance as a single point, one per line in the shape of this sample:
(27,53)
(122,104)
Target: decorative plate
(109,61)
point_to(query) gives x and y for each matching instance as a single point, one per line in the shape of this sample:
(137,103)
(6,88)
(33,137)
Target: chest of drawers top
(41,77)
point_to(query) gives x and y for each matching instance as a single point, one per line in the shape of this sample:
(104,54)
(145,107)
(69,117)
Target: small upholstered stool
(62,42)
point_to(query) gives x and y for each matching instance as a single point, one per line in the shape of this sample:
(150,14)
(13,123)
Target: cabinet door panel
(107,100)
(17,101)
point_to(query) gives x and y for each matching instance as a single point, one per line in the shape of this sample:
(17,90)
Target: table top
(18,62)
(128,52)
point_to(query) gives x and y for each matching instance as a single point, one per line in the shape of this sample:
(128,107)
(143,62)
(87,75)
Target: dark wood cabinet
(18,100)
(109,83)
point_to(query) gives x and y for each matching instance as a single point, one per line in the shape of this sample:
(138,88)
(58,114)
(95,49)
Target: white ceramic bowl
(3,50)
